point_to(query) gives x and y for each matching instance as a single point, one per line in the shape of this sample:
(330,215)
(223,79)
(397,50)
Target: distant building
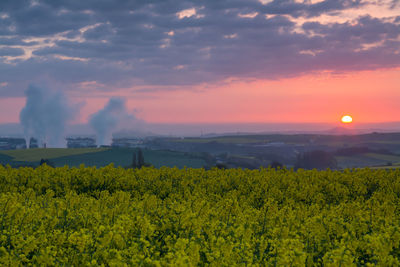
(128,142)
(105,146)
(81,142)
(33,143)
(9,143)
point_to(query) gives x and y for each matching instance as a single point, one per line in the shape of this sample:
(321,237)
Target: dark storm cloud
(296,9)
(43,20)
(8,51)
(15,41)
(126,43)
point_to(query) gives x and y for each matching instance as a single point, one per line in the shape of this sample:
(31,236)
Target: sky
(225,61)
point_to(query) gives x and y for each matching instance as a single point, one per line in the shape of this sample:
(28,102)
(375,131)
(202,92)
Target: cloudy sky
(180,61)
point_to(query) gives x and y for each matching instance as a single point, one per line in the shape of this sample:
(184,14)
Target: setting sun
(347,119)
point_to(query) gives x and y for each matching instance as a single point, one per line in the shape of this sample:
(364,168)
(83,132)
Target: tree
(317,159)
(221,166)
(276,165)
(47,162)
(134,160)
(140,159)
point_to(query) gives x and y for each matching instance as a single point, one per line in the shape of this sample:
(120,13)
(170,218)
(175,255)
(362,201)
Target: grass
(36,154)
(4,159)
(357,161)
(296,139)
(224,140)
(123,157)
(367,159)
(389,158)
(247,139)
(99,157)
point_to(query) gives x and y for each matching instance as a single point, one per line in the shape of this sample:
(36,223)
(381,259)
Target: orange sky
(369,96)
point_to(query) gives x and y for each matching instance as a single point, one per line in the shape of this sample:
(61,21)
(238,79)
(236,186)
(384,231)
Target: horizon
(210,129)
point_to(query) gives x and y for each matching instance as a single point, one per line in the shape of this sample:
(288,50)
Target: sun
(347,119)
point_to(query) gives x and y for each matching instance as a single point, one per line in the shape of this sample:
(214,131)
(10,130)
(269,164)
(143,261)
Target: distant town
(11,143)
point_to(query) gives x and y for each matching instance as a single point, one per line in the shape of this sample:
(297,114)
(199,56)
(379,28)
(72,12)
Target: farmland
(35,154)
(97,157)
(243,151)
(253,151)
(156,217)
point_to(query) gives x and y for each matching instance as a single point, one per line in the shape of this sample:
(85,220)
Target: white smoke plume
(45,116)
(114,116)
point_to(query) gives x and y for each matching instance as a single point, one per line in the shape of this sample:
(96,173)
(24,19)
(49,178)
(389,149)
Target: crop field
(111,216)
(226,140)
(298,139)
(123,157)
(367,160)
(248,139)
(384,157)
(35,154)
(99,157)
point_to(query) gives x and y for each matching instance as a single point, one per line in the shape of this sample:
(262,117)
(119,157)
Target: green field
(384,157)
(247,139)
(195,217)
(226,140)
(330,140)
(367,160)
(98,157)
(35,154)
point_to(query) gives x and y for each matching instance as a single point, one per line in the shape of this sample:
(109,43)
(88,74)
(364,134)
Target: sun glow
(347,119)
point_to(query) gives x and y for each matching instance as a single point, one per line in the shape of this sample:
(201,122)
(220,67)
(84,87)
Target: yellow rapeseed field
(193,217)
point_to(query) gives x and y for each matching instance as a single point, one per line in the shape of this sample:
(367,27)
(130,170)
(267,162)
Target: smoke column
(110,118)
(45,115)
